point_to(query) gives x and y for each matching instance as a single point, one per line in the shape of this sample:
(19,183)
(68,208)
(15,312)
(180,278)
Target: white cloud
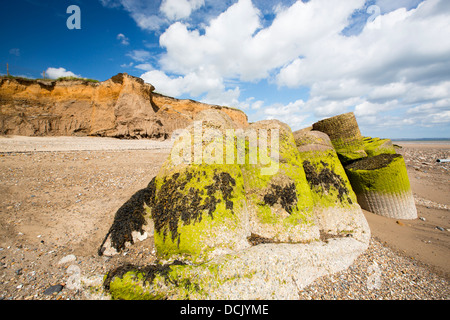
(387,70)
(55,73)
(127,65)
(123,39)
(368,109)
(237,46)
(143,12)
(377,57)
(144,66)
(163,83)
(180,9)
(194,84)
(139,55)
(222,46)
(154,15)
(294,113)
(398,62)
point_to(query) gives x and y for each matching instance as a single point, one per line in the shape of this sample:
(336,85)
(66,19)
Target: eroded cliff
(123,107)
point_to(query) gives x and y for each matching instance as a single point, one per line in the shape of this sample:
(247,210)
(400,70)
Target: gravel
(380,274)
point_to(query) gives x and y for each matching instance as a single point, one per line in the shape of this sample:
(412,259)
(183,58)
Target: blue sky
(299,62)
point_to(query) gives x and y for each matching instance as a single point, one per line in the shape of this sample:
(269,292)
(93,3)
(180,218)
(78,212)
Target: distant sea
(424,140)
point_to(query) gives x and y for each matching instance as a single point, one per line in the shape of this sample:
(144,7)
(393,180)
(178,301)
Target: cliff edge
(121,107)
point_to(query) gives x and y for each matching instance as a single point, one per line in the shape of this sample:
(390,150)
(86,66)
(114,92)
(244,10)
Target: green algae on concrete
(264,271)
(377,146)
(241,230)
(280,204)
(177,281)
(199,208)
(345,135)
(327,178)
(385,173)
(336,210)
(382,186)
(325,174)
(200,211)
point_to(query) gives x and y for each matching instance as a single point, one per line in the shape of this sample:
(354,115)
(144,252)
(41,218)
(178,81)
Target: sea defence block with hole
(376,146)
(345,136)
(382,186)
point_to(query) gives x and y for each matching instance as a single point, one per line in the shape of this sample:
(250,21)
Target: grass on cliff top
(75,78)
(46,79)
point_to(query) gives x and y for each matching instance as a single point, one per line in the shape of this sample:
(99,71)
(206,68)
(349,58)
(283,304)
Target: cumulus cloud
(179,9)
(194,84)
(395,69)
(222,45)
(237,45)
(154,15)
(144,13)
(139,55)
(379,57)
(55,73)
(144,66)
(123,39)
(395,66)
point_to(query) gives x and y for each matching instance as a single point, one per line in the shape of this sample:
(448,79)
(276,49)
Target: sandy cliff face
(122,107)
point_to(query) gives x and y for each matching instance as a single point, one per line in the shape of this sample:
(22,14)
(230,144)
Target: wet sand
(426,239)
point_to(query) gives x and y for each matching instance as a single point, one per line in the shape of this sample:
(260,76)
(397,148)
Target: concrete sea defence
(233,231)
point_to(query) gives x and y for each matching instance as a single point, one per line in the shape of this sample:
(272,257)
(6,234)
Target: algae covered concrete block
(336,210)
(262,272)
(249,228)
(382,186)
(345,135)
(199,208)
(280,204)
(377,146)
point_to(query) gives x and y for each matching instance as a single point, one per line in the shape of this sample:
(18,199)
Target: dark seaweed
(326,179)
(130,217)
(255,239)
(149,272)
(373,163)
(171,204)
(286,196)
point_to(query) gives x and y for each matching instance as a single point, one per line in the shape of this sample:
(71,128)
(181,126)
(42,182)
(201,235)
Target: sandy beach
(59,195)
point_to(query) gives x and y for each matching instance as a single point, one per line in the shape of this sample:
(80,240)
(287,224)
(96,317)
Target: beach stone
(53,289)
(74,280)
(67,259)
